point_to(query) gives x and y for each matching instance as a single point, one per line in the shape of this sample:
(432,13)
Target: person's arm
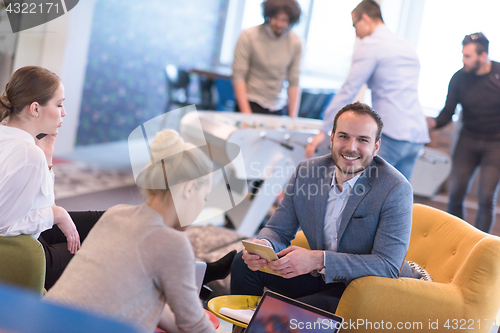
(20,189)
(316,141)
(254,261)
(24,219)
(169,259)
(240,93)
(390,243)
(431,123)
(241,66)
(448,111)
(28,205)
(68,228)
(293,101)
(295,261)
(47,145)
(293,81)
(61,216)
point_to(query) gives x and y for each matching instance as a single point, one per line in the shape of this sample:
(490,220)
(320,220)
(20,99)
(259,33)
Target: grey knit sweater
(130,265)
(263,61)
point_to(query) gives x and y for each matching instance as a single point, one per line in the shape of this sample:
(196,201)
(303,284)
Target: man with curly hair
(264,57)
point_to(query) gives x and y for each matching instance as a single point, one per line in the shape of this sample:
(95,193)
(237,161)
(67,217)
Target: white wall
(61,45)
(73,70)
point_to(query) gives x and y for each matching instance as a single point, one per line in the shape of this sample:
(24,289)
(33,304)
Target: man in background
(477,88)
(390,67)
(264,57)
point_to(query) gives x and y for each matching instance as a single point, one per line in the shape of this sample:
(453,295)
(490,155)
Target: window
(444,25)
(330,40)
(252,14)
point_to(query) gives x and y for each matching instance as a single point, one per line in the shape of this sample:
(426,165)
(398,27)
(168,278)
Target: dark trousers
(55,246)
(256,108)
(471,153)
(305,288)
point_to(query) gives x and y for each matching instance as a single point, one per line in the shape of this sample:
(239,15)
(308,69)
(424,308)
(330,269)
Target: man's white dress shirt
(335,205)
(390,67)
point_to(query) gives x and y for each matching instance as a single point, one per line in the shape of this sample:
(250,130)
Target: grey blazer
(374,232)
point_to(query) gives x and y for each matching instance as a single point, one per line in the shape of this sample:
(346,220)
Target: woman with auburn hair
(136,263)
(32,104)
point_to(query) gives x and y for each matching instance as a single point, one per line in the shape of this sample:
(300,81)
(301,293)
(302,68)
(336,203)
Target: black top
(479,96)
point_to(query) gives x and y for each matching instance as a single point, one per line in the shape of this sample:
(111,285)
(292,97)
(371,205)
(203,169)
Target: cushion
(425,275)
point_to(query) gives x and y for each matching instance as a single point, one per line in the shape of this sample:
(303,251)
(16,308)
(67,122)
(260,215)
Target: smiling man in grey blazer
(355,210)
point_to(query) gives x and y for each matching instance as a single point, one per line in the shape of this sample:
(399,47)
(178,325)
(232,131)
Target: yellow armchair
(464,297)
(300,240)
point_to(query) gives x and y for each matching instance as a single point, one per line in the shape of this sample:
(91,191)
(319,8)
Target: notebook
(278,313)
(199,272)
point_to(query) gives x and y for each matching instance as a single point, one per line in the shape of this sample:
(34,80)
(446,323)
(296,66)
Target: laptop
(278,313)
(199,272)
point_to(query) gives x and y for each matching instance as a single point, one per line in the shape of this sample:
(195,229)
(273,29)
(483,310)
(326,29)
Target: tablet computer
(199,273)
(263,251)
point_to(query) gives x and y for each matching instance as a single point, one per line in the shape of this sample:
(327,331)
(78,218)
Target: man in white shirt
(390,67)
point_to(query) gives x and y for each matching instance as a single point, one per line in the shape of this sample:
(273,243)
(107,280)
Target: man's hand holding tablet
(288,263)
(257,254)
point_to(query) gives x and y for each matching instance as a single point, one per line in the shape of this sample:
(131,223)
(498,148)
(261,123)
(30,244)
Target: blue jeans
(400,154)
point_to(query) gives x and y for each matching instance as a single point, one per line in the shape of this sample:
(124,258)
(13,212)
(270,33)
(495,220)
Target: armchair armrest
(407,301)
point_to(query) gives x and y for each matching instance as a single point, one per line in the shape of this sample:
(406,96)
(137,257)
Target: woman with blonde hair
(136,263)
(31,104)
